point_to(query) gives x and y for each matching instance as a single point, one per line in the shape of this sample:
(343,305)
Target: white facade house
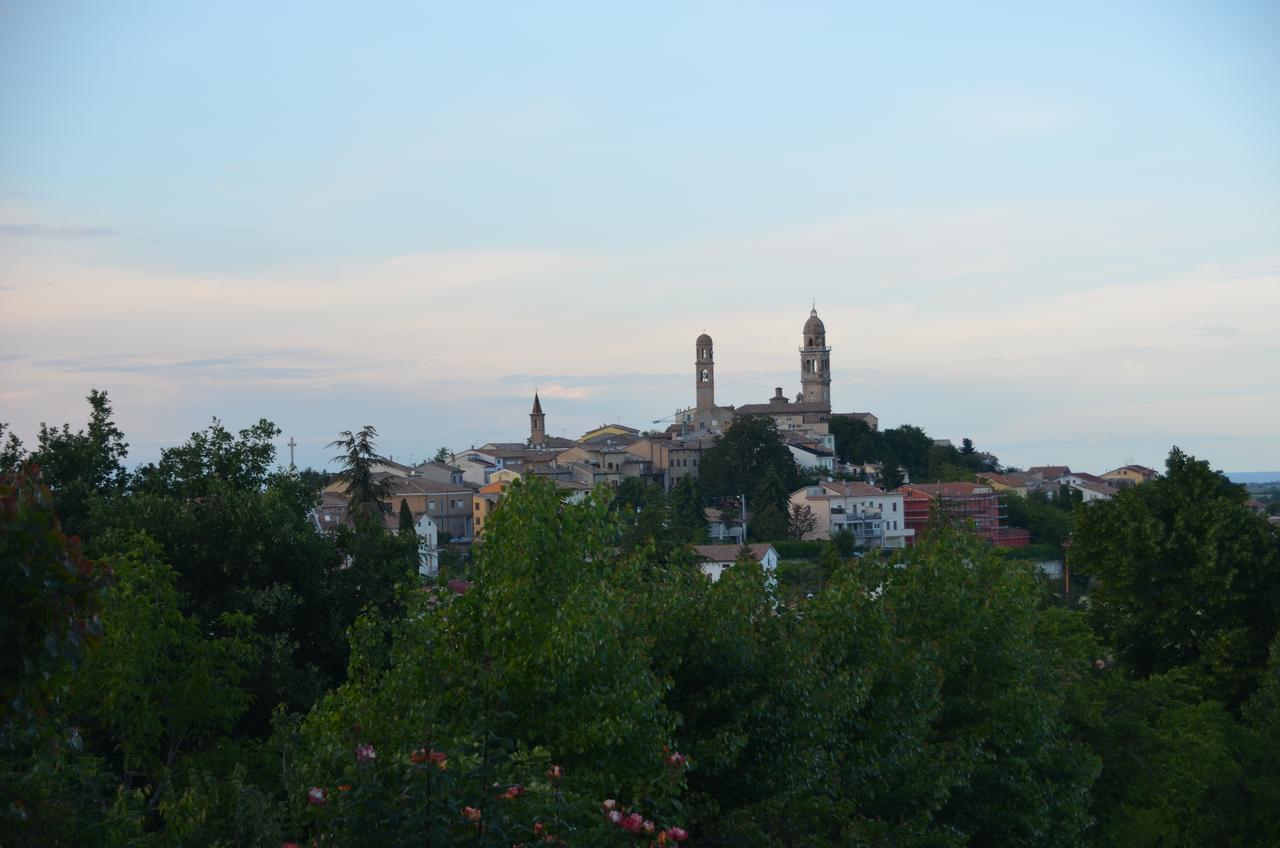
(809,457)
(1090,492)
(476,466)
(716,558)
(428,546)
(875,518)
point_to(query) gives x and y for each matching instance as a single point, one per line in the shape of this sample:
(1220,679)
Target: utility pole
(744,518)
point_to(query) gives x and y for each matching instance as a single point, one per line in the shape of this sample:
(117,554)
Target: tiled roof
(852,489)
(1100,488)
(422,485)
(440,466)
(793,408)
(729,553)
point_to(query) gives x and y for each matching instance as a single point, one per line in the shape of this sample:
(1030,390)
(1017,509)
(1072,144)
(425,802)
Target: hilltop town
(838,483)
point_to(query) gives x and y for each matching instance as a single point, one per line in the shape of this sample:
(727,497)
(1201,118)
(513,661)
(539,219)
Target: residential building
(721,531)
(877,519)
(439,471)
(1091,491)
(1129,475)
(1016,482)
(605,430)
(811,456)
(450,505)
(716,558)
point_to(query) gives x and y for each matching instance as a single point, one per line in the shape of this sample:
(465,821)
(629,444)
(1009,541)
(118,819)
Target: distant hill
(1253,476)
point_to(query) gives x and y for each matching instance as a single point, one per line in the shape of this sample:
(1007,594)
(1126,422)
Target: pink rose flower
(317,795)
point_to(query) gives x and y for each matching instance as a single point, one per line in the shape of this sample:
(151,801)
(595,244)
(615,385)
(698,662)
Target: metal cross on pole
(292,445)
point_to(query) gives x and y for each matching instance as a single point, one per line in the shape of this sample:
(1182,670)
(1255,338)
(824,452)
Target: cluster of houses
(451,502)
(1050,480)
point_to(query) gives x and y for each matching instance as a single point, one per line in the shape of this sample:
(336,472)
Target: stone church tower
(704,373)
(815,362)
(537,423)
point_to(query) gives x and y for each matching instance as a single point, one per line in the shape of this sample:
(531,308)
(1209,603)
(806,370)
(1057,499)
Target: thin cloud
(73,232)
(226,367)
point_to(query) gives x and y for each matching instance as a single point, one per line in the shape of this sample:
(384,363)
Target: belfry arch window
(704,375)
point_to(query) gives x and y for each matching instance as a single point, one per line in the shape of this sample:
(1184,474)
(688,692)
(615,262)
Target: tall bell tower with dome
(815,362)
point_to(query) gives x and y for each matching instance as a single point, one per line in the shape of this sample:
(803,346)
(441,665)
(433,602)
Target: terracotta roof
(852,489)
(1048,472)
(729,553)
(793,408)
(1010,480)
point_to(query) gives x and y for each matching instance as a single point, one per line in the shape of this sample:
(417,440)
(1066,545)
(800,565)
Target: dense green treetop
(742,457)
(1185,577)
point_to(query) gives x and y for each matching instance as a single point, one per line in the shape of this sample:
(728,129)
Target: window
(457,504)
(704,375)
(431,506)
(895,506)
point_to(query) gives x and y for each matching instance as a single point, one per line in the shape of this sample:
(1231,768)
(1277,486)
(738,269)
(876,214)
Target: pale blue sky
(1052,229)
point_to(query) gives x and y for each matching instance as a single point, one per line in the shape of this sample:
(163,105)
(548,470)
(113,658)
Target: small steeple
(537,423)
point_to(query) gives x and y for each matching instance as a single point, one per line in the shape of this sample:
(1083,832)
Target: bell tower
(537,423)
(815,362)
(704,372)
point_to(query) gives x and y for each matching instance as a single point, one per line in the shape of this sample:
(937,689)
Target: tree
(767,524)
(12,453)
(738,461)
(442,455)
(908,446)
(772,491)
(802,522)
(365,490)
(161,682)
(855,441)
(406,517)
(890,475)
(82,466)
(966,446)
(687,510)
(1048,524)
(213,459)
(1186,577)
(50,604)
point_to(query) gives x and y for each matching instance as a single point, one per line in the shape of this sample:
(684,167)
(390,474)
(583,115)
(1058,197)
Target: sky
(1051,228)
